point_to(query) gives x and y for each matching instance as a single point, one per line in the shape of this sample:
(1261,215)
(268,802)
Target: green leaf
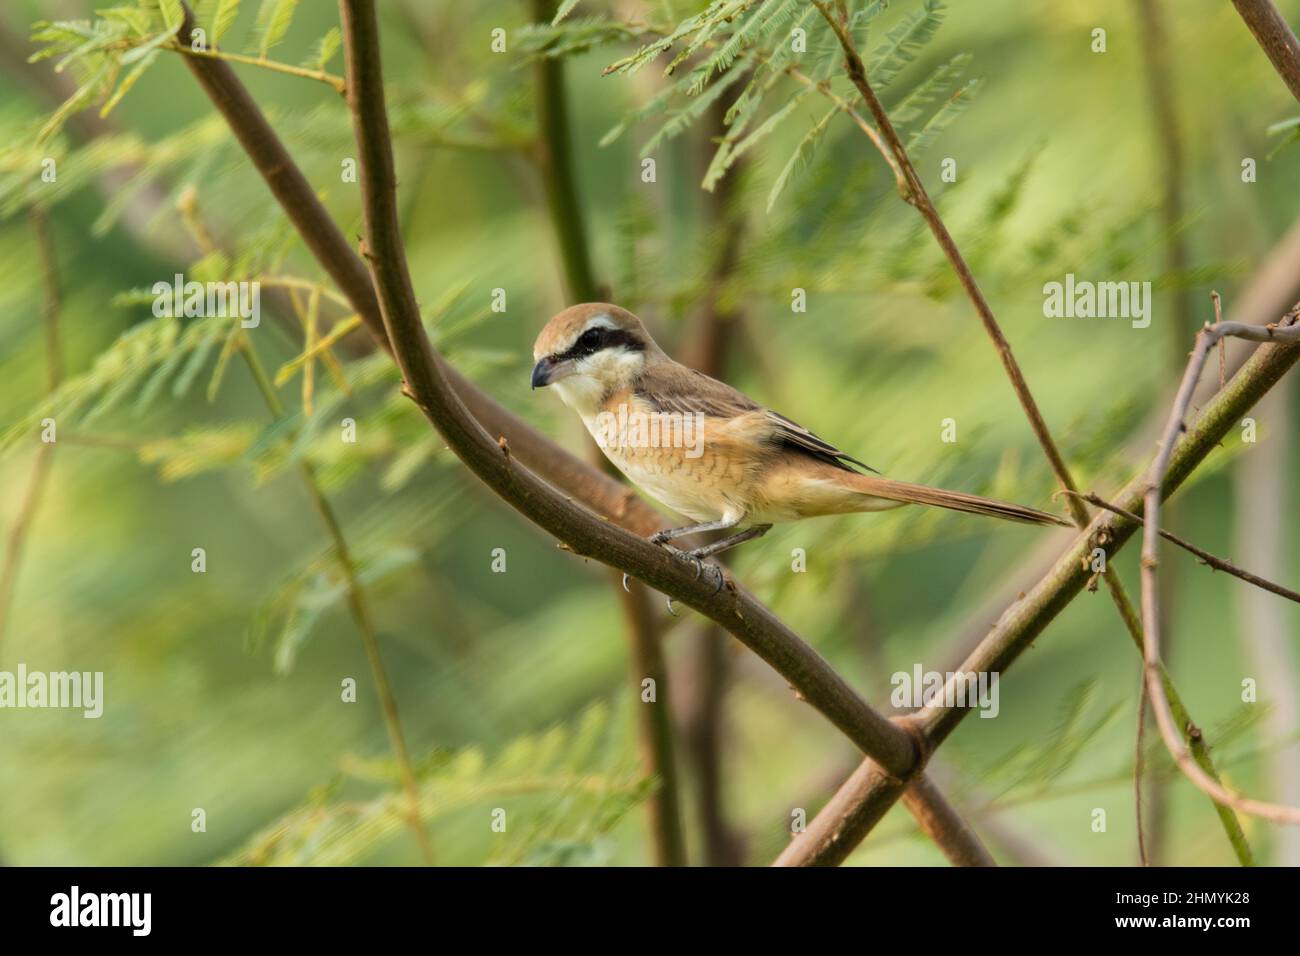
(226,13)
(729,152)
(680,120)
(273,20)
(641,112)
(326,47)
(566,7)
(712,14)
(144,49)
(1289,126)
(936,124)
(128,81)
(801,157)
(571,783)
(78,101)
(172,13)
(902,42)
(912,107)
(135,19)
(766,18)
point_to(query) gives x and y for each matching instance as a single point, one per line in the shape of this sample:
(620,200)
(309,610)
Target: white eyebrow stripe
(601,321)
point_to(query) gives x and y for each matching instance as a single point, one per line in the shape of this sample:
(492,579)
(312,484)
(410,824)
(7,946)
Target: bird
(707,451)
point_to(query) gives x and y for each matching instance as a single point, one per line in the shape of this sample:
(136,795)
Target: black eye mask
(597,340)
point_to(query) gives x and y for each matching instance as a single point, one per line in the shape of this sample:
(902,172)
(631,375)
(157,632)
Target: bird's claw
(721,579)
(700,565)
(658,538)
(716,572)
(625,587)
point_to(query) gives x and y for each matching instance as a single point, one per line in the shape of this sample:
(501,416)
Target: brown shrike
(705,450)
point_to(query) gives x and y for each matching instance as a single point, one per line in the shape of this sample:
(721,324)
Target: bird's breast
(679,459)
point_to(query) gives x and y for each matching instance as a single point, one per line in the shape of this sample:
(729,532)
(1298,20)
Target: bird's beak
(542,372)
(548,371)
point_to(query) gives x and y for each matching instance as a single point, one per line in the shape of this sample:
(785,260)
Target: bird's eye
(590,339)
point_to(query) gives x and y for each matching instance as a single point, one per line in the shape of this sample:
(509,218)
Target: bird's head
(590,351)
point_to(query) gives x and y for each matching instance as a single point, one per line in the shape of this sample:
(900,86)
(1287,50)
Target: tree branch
(429,386)
(1287,332)
(554,160)
(1275,38)
(914,193)
(867,795)
(944,825)
(567,472)
(1219,564)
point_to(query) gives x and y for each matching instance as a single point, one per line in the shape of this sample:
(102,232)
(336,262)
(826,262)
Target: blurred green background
(515,689)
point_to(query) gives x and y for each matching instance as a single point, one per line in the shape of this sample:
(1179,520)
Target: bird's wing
(676,388)
(796,436)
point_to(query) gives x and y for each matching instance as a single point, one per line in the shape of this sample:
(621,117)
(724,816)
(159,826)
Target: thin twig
(1167,138)
(869,793)
(1219,564)
(847,108)
(357,603)
(274,65)
(360,610)
(1286,332)
(40,473)
(1139,761)
(915,194)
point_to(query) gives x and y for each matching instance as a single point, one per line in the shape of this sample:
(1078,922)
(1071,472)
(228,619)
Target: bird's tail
(904,492)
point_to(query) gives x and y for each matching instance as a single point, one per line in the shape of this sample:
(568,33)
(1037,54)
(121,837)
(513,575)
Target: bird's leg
(663,537)
(725,544)
(669,534)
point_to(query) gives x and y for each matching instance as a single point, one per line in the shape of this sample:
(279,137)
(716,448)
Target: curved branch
(913,192)
(868,794)
(609,498)
(944,825)
(1275,38)
(1287,332)
(430,387)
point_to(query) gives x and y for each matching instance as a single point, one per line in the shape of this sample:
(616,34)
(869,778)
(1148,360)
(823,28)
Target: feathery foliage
(557,793)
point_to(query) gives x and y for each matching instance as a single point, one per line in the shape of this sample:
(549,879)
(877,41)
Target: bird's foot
(703,569)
